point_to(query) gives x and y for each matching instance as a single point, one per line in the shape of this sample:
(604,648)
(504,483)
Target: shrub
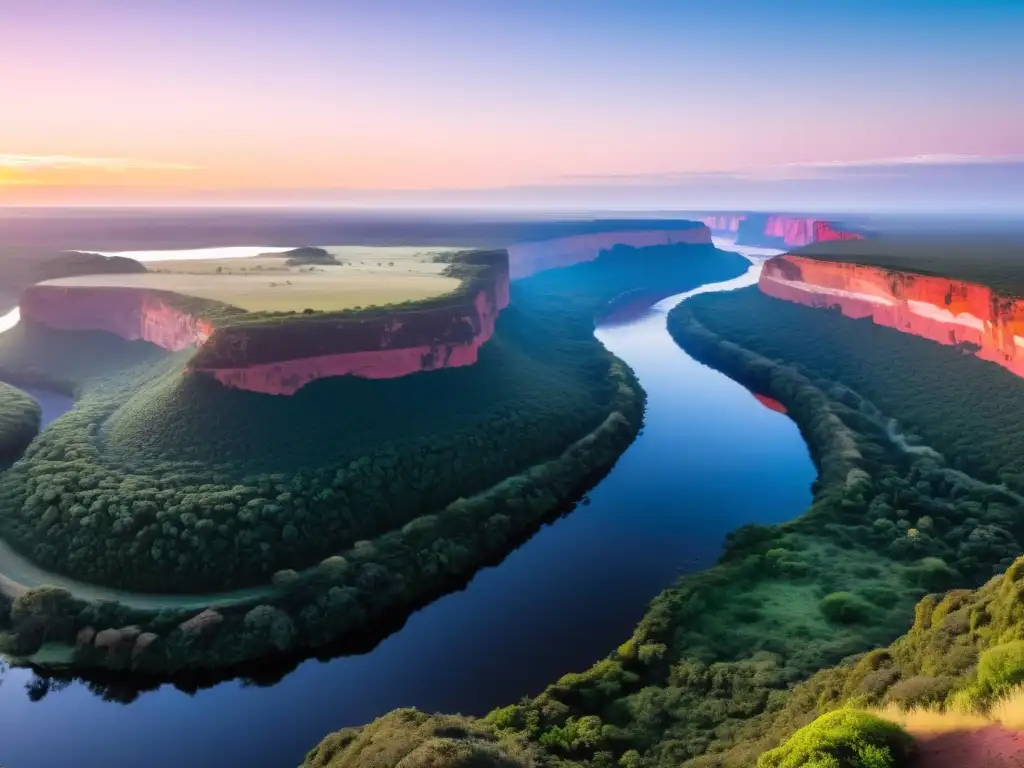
(933,574)
(845,608)
(847,738)
(1001,667)
(922,690)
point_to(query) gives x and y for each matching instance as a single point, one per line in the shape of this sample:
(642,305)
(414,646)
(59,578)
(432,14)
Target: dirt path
(992,747)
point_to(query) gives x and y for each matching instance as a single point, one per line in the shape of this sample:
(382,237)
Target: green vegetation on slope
(20,417)
(417,740)
(384,491)
(962,654)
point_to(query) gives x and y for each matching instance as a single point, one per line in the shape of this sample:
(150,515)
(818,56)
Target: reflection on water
(946,311)
(557,604)
(195,254)
(10,320)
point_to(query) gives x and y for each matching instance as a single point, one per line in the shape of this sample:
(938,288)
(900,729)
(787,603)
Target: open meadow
(332,279)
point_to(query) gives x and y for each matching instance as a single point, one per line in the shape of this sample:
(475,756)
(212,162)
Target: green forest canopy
(20,417)
(163,482)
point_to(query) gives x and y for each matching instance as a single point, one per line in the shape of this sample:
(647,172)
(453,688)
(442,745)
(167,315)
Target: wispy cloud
(938,159)
(75,162)
(823,169)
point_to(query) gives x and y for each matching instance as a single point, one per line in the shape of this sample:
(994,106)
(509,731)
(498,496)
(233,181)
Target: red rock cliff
(776,230)
(136,315)
(936,308)
(283,356)
(527,259)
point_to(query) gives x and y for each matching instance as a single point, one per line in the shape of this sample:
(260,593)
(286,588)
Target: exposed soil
(992,747)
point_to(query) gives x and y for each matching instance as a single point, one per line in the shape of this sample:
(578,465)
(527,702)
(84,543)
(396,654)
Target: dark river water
(710,459)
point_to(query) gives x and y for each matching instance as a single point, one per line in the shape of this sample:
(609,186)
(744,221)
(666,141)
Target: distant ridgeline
(773,230)
(352,499)
(919,448)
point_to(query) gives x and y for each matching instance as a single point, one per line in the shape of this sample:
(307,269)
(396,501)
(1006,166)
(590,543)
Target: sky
(642,103)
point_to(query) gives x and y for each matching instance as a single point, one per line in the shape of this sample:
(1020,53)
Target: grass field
(364,277)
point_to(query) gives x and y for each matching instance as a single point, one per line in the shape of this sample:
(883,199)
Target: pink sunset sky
(114,102)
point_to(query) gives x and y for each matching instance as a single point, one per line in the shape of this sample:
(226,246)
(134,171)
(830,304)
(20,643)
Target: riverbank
(665,508)
(398,567)
(714,655)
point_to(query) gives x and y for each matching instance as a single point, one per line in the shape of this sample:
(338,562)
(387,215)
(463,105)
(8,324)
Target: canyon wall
(283,355)
(776,230)
(131,313)
(527,259)
(942,310)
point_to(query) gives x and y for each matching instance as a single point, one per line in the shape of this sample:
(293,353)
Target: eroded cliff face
(281,357)
(939,309)
(527,259)
(132,314)
(777,230)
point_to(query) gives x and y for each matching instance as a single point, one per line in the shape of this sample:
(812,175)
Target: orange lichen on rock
(946,311)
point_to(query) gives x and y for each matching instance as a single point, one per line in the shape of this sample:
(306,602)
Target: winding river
(560,602)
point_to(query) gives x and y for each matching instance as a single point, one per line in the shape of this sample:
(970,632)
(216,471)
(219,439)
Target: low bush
(844,739)
(845,608)
(1002,667)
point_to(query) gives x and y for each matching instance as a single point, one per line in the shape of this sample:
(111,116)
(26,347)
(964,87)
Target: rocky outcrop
(131,313)
(281,355)
(954,312)
(529,258)
(777,230)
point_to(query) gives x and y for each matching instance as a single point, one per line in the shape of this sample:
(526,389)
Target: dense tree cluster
(711,667)
(20,417)
(967,409)
(349,500)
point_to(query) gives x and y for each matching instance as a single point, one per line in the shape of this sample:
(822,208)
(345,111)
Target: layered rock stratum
(947,311)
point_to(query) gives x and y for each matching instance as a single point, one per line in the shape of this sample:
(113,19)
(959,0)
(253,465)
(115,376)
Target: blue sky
(256,98)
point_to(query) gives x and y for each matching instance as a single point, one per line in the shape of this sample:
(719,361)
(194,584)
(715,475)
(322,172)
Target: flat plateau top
(366,276)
